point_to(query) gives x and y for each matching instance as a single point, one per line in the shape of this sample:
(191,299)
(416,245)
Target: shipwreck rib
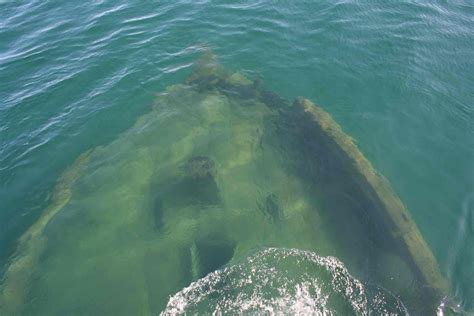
(31,244)
(378,190)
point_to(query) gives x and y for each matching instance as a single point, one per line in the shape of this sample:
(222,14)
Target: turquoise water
(398,78)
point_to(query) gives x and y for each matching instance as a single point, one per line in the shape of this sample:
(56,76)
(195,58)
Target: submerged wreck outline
(209,75)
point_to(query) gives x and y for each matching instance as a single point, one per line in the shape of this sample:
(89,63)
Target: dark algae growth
(200,167)
(225,197)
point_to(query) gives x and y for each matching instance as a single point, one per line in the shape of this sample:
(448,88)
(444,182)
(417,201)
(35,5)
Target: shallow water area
(220,170)
(225,168)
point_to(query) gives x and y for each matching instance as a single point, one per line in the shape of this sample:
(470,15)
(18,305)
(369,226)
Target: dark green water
(399,78)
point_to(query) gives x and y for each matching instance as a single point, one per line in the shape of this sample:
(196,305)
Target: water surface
(398,77)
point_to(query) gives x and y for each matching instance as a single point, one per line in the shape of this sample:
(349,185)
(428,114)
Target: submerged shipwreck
(225,192)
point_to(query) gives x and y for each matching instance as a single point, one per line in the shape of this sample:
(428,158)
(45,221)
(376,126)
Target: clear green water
(398,78)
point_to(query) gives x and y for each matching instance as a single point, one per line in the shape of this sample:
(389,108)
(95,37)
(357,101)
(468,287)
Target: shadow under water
(225,197)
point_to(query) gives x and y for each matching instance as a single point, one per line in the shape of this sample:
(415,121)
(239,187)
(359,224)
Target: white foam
(275,281)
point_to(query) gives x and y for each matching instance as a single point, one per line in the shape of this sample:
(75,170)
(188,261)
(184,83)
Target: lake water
(108,75)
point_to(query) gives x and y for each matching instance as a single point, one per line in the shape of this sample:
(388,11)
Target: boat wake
(288,281)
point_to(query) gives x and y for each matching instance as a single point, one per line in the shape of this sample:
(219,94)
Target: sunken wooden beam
(391,210)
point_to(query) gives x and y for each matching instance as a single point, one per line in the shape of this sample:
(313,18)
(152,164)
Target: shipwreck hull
(220,168)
